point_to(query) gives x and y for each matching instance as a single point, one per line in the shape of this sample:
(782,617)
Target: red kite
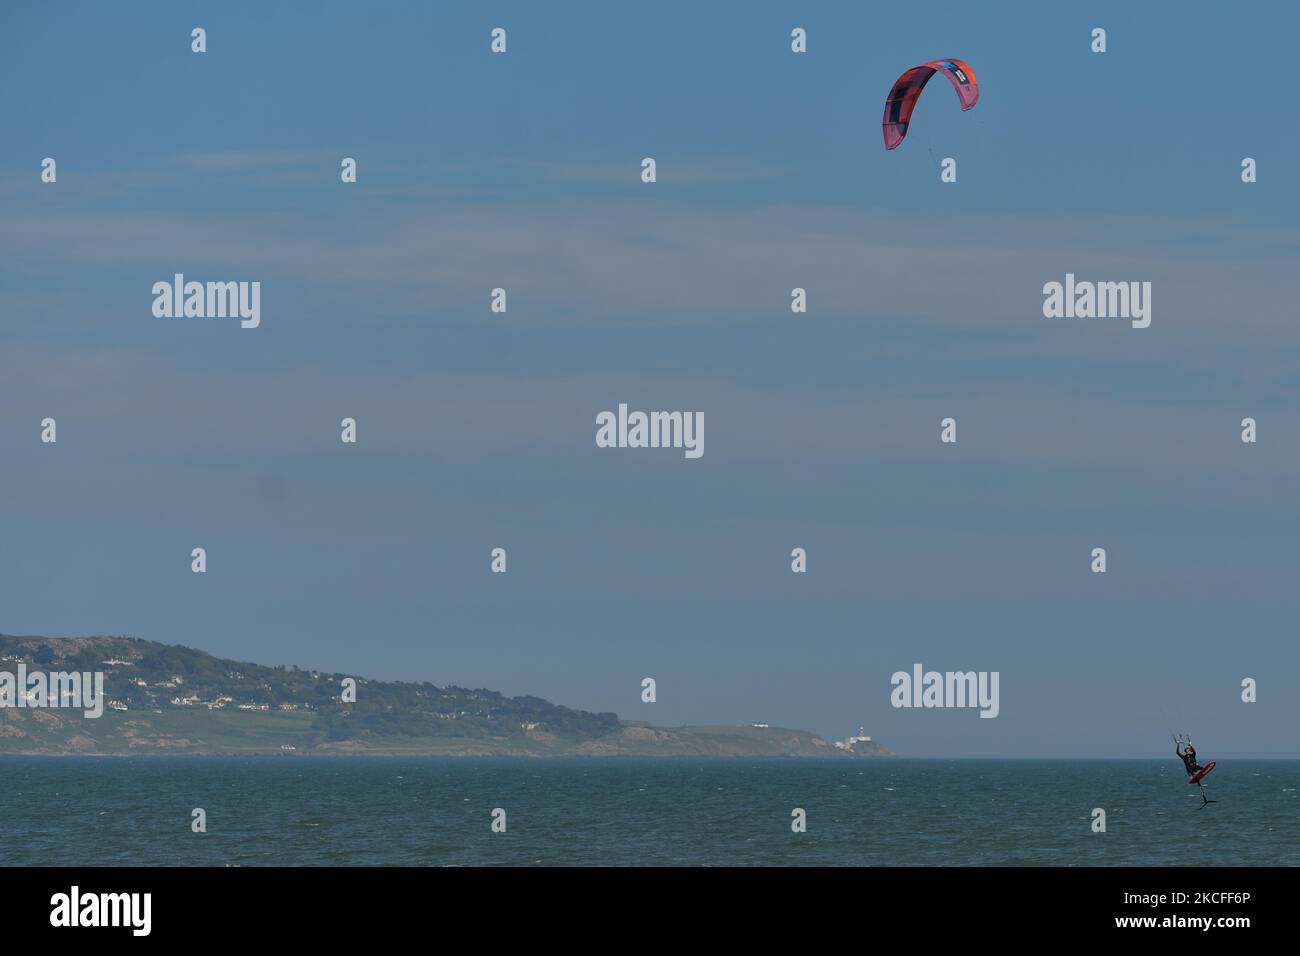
(907,89)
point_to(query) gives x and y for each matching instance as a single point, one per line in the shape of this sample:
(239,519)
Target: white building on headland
(848,742)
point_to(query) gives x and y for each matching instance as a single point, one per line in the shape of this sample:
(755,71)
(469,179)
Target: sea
(367,811)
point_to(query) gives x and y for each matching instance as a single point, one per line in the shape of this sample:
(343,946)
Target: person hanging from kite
(1195,772)
(1188,753)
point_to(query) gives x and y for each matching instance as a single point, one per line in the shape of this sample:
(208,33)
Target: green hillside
(169,699)
(176,699)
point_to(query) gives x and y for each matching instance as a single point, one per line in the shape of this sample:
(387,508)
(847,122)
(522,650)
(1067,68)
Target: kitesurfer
(1188,753)
(1195,772)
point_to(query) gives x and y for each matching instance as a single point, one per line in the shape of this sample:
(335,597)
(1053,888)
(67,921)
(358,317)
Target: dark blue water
(437,812)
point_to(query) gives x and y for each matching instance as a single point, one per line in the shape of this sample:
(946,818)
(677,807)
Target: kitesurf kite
(1196,773)
(907,90)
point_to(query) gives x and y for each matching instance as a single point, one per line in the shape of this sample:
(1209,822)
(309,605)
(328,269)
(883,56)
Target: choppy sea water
(665,812)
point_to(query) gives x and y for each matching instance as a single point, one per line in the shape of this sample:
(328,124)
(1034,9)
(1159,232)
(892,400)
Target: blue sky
(477,430)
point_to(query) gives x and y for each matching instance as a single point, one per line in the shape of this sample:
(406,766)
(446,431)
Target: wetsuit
(1189,759)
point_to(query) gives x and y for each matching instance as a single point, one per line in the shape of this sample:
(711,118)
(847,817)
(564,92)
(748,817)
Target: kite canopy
(907,89)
